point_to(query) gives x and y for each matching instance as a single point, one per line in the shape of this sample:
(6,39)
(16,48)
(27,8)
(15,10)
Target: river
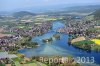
(57,47)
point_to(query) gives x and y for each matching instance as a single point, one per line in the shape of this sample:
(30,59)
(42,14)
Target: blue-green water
(57,47)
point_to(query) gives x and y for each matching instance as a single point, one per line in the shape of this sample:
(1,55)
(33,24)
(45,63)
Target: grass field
(28,63)
(90,17)
(31,64)
(17,63)
(7,23)
(84,42)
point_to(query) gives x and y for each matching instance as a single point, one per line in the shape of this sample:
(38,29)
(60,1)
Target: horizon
(13,5)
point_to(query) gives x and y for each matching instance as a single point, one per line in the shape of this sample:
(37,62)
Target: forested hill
(97,14)
(22,14)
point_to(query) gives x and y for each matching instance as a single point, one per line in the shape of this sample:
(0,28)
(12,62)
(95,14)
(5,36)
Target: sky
(17,4)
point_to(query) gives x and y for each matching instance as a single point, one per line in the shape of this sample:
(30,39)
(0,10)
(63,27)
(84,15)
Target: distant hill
(83,9)
(97,14)
(22,14)
(1,17)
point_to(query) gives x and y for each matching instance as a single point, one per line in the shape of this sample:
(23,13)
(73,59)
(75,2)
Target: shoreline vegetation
(47,40)
(85,44)
(55,36)
(26,43)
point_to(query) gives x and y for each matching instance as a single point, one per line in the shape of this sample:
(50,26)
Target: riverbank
(84,44)
(56,47)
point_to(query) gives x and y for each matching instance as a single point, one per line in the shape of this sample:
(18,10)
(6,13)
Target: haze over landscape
(15,5)
(66,32)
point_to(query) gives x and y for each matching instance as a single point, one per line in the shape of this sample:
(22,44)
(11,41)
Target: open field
(17,63)
(97,41)
(3,35)
(28,63)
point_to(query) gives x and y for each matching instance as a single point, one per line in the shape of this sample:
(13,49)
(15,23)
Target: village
(82,32)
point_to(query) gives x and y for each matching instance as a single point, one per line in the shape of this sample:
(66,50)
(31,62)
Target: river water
(57,47)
